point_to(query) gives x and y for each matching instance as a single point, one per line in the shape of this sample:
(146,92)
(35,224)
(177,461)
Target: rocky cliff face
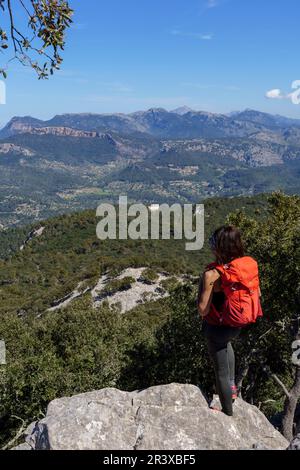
(164,417)
(17,149)
(60,131)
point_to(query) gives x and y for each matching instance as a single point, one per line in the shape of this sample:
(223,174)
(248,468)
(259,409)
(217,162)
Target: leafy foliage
(149,276)
(117,285)
(47,22)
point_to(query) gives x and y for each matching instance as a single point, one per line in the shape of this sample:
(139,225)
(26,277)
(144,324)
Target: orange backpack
(240,284)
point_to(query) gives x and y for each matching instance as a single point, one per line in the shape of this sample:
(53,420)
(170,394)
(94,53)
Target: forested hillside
(68,252)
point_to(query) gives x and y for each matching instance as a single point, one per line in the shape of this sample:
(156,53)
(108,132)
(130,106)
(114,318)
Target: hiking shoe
(234,392)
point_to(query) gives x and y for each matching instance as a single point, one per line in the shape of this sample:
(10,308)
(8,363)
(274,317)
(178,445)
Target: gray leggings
(220,349)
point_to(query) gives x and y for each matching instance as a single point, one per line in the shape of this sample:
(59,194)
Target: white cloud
(275,94)
(201,36)
(294,97)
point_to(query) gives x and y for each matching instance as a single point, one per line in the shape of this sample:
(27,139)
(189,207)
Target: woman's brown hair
(226,242)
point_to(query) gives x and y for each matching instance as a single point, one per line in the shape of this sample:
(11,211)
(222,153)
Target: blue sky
(127,55)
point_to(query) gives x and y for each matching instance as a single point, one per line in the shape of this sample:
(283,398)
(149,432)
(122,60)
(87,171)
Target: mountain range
(74,161)
(182,122)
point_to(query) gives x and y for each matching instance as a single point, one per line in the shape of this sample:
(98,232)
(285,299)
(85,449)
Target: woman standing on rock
(229,299)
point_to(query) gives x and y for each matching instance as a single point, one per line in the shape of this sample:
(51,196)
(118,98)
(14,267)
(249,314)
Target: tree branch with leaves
(41,44)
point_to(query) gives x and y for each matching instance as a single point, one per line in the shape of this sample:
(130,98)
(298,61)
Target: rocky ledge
(165,417)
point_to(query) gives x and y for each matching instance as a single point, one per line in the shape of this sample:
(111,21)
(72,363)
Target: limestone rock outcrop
(165,417)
